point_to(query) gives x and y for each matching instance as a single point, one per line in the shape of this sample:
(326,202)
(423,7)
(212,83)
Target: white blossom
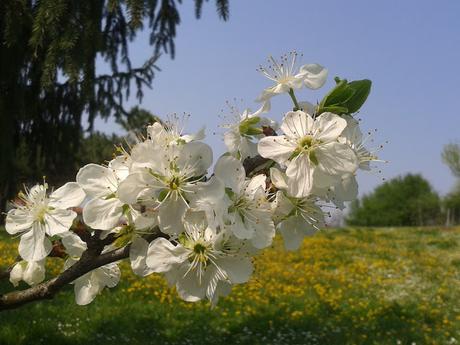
(38,215)
(89,285)
(204,264)
(310,150)
(104,209)
(295,217)
(247,126)
(170,175)
(287,75)
(32,272)
(247,211)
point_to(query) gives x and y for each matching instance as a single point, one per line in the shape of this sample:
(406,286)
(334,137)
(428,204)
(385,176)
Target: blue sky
(409,49)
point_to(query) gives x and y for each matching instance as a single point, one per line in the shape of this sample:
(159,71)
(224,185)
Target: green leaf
(346,97)
(336,109)
(338,95)
(361,88)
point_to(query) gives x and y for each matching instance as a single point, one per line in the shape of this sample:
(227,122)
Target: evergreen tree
(49,81)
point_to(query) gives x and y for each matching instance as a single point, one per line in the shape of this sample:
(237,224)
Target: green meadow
(345,286)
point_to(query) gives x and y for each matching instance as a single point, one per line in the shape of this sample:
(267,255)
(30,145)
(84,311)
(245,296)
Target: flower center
(306,142)
(174,183)
(199,249)
(40,213)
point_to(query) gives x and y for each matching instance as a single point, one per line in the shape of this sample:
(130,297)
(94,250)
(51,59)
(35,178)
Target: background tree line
(410,200)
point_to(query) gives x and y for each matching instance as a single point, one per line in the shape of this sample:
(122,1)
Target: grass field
(347,286)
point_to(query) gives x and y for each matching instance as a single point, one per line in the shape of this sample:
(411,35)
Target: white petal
(34,246)
(347,190)
(231,172)
(163,256)
(209,193)
(196,156)
(18,220)
(296,124)
(149,154)
(322,182)
(328,126)
(130,189)
(238,269)
(264,229)
(336,159)
(256,184)
(282,206)
(171,214)
(85,290)
(307,107)
(69,195)
(17,272)
(97,181)
(73,244)
(239,228)
(293,230)
(120,166)
(103,214)
(34,272)
(59,221)
(300,173)
(278,178)
(107,275)
(314,75)
(263,109)
(278,148)
(232,140)
(189,288)
(155,130)
(247,149)
(138,256)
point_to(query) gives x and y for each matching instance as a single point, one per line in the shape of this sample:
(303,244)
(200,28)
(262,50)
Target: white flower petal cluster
(310,150)
(287,76)
(38,216)
(201,225)
(89,285)
(245,130)
(205,263)
(32,272)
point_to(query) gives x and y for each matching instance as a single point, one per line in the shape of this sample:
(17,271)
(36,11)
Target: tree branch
(48,289)
(91,259)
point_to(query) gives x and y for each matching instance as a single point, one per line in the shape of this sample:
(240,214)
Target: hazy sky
(410,49)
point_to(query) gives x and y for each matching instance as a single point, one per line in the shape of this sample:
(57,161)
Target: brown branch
(88,262)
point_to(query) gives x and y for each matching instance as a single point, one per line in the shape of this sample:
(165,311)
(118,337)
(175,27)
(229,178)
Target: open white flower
(38,215)
(287,75)
(32,272)
(247,126)
(172,132)
(353,136)
(295,217)
(248,213)
(170,175)
(203,264)
(310,150)
(104,210)
(89,285)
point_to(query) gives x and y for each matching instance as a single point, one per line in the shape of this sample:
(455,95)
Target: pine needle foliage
(49,80)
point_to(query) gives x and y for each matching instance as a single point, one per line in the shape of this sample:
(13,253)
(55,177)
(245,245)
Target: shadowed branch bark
(89,261)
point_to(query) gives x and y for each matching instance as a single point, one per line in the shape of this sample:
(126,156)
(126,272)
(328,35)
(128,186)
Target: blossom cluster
(212,219)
